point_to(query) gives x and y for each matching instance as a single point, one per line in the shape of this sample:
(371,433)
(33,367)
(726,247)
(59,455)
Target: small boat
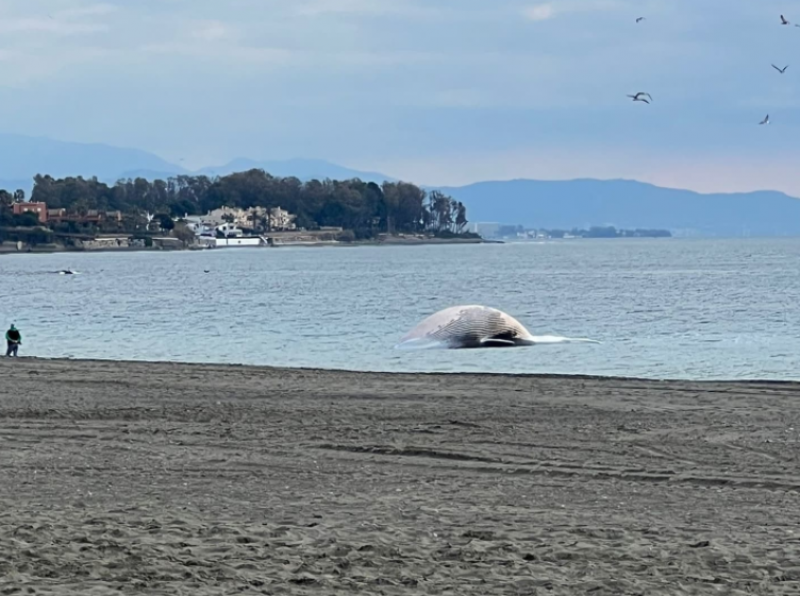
(68,272)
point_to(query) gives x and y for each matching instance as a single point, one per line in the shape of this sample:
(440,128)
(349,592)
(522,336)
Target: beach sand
(141,478)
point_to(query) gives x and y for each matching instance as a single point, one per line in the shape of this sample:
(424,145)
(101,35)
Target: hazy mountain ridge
(22,157)
(304,169)
(566,204)
(561,204)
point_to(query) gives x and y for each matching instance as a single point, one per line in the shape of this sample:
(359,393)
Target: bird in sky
(639,19)
(765,120)
(784,21)
(780,70)
(640,96)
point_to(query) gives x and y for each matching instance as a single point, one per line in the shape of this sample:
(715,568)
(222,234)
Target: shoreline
(269,369)
(426,242)
(171,478)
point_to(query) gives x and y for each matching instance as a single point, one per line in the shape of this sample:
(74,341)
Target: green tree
(365,208)
(165,222)
(184,233)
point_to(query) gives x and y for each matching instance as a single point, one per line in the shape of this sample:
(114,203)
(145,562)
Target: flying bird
(765,120)
(780,70)
(639,19)
(640,96)
(784,21)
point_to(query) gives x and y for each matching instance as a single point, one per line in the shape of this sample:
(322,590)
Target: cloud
(75,21)
(319,8)
(20,69)
(548,10)
(505,76)
(540,12)
(89,10)
(33,25)
(213,31)
(230,54)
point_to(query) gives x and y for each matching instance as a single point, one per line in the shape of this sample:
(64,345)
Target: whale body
(470,326)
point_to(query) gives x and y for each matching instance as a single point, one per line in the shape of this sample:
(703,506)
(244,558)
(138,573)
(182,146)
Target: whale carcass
(470,326)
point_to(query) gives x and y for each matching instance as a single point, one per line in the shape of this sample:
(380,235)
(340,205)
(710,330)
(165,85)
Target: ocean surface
(669,308)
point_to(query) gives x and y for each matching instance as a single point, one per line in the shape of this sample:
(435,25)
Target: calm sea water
(671,308)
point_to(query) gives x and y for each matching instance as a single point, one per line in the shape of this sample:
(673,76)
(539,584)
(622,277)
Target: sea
(659,308)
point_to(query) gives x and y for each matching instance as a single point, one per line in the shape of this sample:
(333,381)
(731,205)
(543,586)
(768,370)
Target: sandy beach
(141,478)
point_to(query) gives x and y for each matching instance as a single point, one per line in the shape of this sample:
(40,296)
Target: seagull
(784,21)
(640,97)
(780,70)
(639,19)
(765,120)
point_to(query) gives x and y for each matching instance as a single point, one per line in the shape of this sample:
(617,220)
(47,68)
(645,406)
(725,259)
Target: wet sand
(185,479)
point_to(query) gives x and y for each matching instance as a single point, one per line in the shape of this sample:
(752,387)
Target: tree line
(7,217)
(366,208)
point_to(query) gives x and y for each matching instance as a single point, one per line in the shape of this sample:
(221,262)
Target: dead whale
(470,326)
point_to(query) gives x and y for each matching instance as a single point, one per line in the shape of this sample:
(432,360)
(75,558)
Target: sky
(431,91)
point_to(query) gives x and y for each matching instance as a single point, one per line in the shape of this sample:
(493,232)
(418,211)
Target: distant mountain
(22,157)
(542,204)
(147,175)
(304,169)
(583,203)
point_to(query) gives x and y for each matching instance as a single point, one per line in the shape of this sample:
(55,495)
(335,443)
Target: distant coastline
(509,232)
(250,208)
(10,248)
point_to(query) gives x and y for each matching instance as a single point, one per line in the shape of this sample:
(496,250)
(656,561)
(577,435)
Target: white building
(226,215)
(198,226)
(231,221)
(229,230)
(280,219)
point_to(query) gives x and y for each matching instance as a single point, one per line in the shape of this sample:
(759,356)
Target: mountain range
(22,157)
(563,204)
(628,204)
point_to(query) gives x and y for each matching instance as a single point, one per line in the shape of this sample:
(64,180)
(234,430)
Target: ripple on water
(677,308)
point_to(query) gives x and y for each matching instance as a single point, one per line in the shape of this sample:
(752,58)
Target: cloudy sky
(435,91)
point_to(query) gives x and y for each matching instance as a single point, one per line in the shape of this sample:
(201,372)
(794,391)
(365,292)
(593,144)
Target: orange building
(40,209)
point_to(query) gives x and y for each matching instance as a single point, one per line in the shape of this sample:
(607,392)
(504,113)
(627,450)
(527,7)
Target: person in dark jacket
(13,340)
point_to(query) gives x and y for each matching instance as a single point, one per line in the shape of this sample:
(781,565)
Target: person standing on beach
(14,340)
